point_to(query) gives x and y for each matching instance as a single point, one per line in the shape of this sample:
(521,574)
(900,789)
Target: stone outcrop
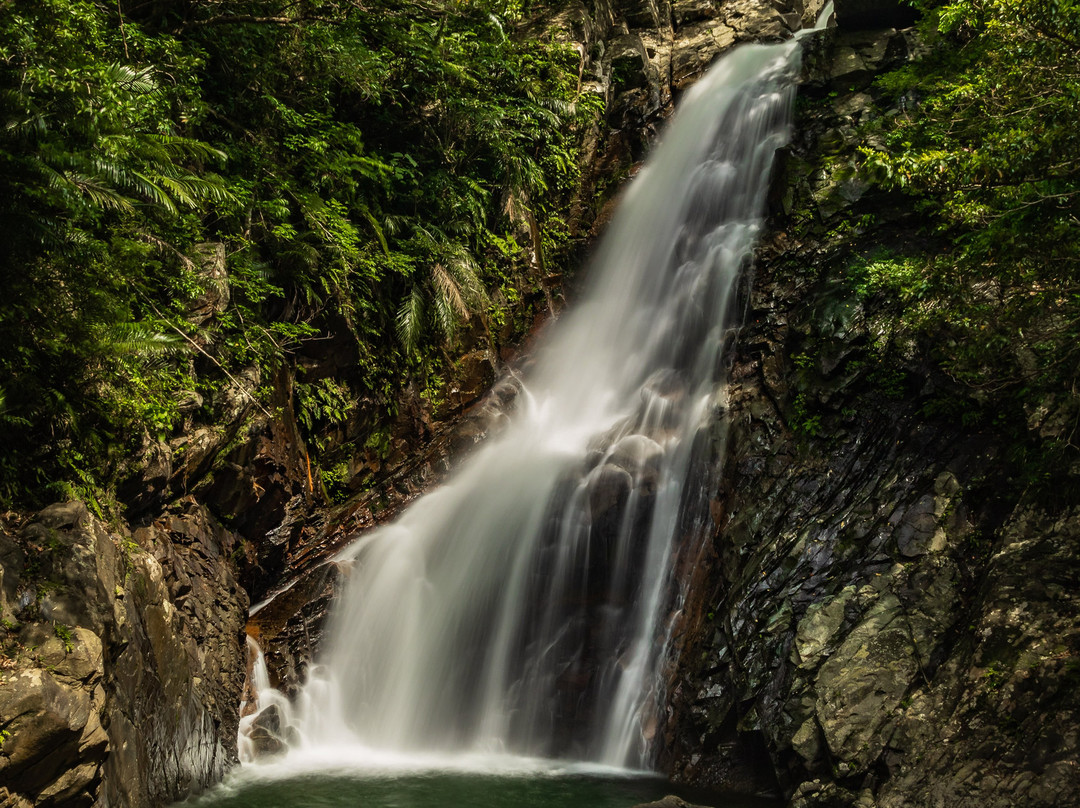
(122,658)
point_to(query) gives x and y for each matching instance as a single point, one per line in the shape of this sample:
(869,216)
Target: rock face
(885,615)
(122,659)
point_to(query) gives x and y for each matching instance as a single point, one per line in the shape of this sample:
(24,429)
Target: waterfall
(525,607)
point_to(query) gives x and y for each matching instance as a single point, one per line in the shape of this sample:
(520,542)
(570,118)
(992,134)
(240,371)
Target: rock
(818,629)
(267,733)
(120,630)
(860,686)
(696,46)
(688,11)
(629,63)
(640,457)
(79,657)
(210,267)
(45,720)
(755,20)
(642,13)
(670,801)
(9,800)
(608,486)
(143,489)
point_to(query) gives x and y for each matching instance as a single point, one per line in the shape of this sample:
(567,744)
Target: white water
(525,607)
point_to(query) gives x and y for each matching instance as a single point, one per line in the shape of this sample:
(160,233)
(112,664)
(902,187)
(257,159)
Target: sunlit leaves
(987,142)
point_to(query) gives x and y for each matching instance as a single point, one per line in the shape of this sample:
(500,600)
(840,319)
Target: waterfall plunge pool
(461,782)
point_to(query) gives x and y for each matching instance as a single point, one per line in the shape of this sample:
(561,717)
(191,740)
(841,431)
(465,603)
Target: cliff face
(123,651)
(886,618)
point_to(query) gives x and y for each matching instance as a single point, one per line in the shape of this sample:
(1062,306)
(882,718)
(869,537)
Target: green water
(451,790)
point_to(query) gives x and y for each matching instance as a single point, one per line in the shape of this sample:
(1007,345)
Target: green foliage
(987,143)
(322,403)
(63,633)
(804,421)
(364,166)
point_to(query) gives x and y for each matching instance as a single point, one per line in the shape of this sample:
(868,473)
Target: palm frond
(446,317)
(101,196)
(466,273)
(131,79)
(147,188)
(180,190)
(448,291)
(410,318)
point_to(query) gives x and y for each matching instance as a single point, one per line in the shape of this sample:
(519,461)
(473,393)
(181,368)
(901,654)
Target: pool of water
(515,784)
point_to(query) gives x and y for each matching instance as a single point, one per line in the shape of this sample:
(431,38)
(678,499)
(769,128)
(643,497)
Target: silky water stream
(503,642)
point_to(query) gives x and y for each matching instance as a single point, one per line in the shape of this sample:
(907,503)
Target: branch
(213,359)
(252,19)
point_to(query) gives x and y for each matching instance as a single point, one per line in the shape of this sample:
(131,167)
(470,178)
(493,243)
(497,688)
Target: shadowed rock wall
(884,614)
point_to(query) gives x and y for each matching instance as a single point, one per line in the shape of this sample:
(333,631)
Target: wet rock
(266,733)
(608,487)
(640,457)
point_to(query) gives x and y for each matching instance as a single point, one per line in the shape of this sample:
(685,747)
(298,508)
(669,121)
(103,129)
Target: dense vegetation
(382,170)
(986,143)
(397,172)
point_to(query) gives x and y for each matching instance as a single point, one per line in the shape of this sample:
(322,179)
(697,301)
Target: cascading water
(525,606)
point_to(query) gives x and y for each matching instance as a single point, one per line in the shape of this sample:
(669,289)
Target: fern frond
(131,79)
(177,146)
(142,340)
(564,109)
